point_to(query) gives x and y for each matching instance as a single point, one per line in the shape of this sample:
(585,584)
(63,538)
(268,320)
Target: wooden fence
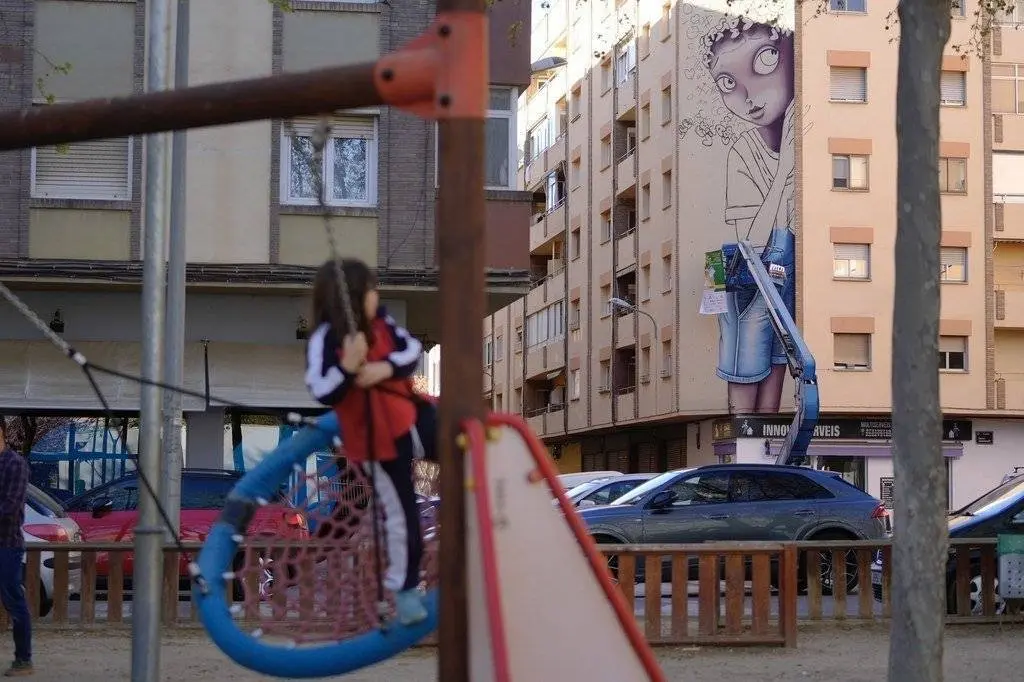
(711,593)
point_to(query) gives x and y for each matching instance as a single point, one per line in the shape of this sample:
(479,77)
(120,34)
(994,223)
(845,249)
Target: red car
(109,513)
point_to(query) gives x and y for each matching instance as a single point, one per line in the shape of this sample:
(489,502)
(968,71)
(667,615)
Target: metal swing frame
(442,75)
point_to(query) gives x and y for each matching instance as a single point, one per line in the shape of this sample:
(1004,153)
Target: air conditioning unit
(574,322)
(603,388)
(666,373)
(645,378)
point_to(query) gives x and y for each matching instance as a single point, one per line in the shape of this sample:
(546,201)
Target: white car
(46,521)
(570,481)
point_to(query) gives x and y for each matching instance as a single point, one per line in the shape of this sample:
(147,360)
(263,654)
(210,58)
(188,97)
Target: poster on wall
(738,127)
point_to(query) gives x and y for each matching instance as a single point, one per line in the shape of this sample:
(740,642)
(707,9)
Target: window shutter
(953,87)
(852,349)
(360,127)
(953,258)
(848,84)
(97,169)
(852,251)
(952,344)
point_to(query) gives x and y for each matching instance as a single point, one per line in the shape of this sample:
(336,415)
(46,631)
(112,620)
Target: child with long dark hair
(364,373)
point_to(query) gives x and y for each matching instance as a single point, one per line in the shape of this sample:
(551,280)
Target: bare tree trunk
(919,556)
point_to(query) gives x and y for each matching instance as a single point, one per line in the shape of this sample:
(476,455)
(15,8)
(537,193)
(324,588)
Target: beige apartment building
(71,218)
(653,134)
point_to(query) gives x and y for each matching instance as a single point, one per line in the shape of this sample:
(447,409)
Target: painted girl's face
(755,75)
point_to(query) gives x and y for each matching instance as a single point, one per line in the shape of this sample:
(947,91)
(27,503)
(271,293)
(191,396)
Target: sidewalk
(832,654)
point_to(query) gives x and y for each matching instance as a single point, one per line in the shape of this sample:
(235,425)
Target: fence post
(789,567)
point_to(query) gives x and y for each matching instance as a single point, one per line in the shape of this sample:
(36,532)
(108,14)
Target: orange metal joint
(442,73)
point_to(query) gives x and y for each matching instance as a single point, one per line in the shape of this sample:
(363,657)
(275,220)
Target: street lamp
(623,304)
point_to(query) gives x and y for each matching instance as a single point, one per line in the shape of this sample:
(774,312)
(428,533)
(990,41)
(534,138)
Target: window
(630,141)
(774,487)
(1008,89)
(709,488)
(848,84)
(953,353)
(349,169)
(666,105)
(851,261)
(666,190)
(488,351)
(606,376)
(547,324)
(205,492)
(849,172)
(666,359)
(517,400)
(953,88)
(958,8)
(606,151)
(606,297)
(574,103)
(848,5)
(575,385)
(538,139)
(851,351)
(645,363)
(666,274)
(625,62)
(645,283)
(952,175)
(499,402)
(499,348)
(519,339)
(953,264)
(606,226)
(576,173)
(645,202)
(645,121)
(500,138)
(97,170)
(606,76)
(574,244)
(574,314)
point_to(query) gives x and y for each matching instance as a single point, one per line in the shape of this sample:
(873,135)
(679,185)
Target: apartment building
(71,218)
(656,133)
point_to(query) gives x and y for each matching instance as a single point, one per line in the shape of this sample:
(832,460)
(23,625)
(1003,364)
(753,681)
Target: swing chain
(321,134)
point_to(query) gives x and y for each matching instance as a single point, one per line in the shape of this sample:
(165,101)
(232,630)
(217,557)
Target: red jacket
(391,407)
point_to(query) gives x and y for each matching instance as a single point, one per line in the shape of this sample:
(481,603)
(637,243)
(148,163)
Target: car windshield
(584,488)
(638,493)
(43,503)
(994,499)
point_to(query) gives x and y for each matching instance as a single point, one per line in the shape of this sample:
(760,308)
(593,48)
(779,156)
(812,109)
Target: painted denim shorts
(748,345)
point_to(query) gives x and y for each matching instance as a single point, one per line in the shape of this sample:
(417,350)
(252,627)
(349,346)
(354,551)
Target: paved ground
(832,654)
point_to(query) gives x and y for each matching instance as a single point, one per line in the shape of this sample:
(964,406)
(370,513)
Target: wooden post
(461,234)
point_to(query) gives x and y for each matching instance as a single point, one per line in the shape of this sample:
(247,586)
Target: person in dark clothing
(14,475)
(365,375)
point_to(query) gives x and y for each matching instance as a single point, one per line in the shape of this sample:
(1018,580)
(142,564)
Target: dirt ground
(833,654)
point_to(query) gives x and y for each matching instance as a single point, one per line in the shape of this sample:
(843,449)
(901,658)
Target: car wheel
(827,570)
(613,561)
(976,603)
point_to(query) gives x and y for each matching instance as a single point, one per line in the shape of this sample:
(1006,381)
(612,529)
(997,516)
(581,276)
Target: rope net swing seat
(539,602)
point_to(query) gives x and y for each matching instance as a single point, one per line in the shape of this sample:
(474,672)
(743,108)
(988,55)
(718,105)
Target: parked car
(734,502)
(1000,510)
(570,481)
(109,513)
(46,521)
(605,490)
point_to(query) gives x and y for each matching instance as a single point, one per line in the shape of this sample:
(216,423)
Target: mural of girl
(751,65)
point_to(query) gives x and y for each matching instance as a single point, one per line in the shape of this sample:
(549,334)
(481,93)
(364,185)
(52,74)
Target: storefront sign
(885,490)
(868,428)
(984,437)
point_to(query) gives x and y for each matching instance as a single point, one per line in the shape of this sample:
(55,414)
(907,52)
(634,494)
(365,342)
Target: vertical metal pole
(170,491)
(148,536)
(460,226)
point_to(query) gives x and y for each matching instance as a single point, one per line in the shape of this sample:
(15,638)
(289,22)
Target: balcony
(625,105)
(548,34)
(625,176)
(625,404)
(547,227)
(624,250)
(624,325)
(1010,391)
(1009,216)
